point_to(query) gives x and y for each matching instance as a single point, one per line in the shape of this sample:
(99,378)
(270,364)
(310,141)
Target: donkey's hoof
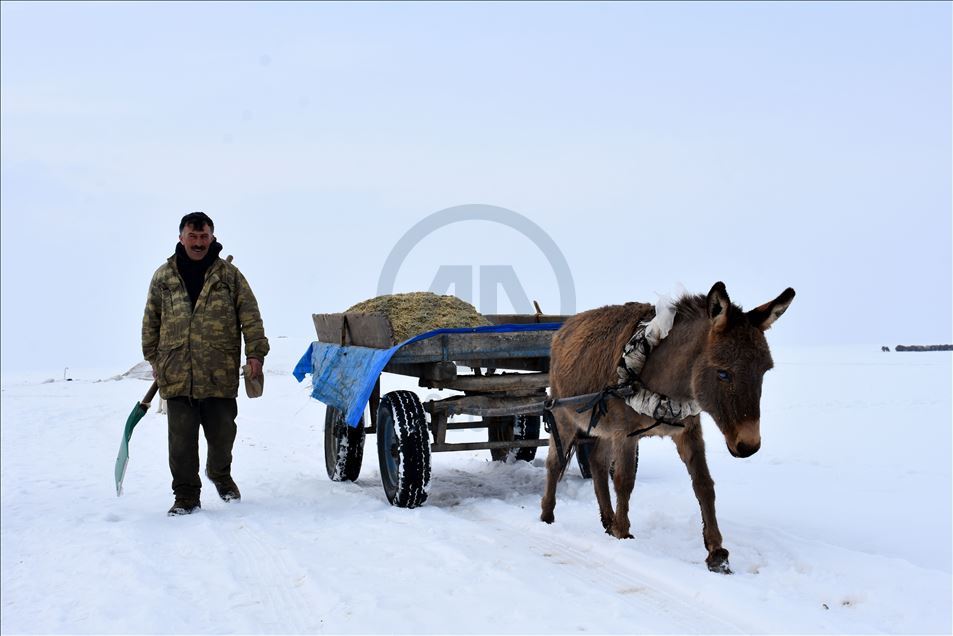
(720,568)
(717,561)
(547,517)
(620,534)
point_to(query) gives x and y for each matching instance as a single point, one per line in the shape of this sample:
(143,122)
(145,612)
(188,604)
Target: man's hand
(254,365)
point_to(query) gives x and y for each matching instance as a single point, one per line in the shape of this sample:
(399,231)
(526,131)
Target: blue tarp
(344,377)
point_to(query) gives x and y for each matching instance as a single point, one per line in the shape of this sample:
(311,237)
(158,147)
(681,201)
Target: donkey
(716,354)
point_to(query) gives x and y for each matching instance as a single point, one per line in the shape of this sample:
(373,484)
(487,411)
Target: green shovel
(138,411)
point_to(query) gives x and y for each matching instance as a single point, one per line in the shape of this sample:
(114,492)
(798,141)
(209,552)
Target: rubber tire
(499,429)
(343,446)
(526,427)
(517,428)
(403,449)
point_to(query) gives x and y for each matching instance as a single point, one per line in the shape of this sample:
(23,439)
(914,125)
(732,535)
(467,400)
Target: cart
(502,371)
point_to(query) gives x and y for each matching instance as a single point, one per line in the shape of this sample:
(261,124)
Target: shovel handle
(151,393)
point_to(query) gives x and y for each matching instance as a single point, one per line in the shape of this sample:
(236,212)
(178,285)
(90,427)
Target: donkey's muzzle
(745,439)
(744,450)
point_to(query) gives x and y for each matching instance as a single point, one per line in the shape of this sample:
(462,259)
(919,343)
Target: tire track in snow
(285,607)
(598,567)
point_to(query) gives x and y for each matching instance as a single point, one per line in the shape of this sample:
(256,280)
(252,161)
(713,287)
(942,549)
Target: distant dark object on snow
(924,348)
(885,348)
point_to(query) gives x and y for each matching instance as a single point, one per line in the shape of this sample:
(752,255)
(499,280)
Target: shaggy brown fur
(715,353)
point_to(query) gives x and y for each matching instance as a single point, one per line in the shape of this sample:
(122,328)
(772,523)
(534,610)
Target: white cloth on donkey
(636,351)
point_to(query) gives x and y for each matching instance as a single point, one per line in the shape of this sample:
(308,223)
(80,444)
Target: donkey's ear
(764,316)
(718,303)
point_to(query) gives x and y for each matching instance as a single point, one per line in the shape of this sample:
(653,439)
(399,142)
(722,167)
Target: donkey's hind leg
(555,463)
(553,469)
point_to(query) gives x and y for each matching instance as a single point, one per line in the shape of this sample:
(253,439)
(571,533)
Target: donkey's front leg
(625,462)
(691,448)
(599,459)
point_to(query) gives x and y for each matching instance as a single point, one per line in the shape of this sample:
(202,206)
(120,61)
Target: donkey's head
(727,376)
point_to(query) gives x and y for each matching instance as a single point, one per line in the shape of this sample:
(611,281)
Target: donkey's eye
(724,376)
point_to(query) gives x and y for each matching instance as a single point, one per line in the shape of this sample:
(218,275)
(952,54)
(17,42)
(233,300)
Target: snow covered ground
(841,523)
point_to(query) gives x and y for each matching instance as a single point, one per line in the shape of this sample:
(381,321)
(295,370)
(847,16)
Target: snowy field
(840,524)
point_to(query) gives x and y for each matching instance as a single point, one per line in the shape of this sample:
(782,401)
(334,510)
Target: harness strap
(657,423)
(549,423)
(598,402)
(599,408)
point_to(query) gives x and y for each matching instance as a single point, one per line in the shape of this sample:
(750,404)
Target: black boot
(226,487)
(184,506)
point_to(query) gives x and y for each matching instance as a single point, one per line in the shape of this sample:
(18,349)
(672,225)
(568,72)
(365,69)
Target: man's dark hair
(196,220)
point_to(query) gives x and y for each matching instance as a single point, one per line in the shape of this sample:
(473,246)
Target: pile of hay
(417,312)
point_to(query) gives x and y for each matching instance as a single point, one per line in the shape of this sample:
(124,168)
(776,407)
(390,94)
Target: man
(197,305)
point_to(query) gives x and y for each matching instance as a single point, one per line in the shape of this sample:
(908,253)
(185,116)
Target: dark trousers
(217,418)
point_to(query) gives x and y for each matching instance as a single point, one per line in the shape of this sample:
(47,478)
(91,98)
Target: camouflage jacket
(197,353)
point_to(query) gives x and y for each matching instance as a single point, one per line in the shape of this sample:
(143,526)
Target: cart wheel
(582,458)
(343,446)
(518,428)
(403,448)
(499,429)
(526,427)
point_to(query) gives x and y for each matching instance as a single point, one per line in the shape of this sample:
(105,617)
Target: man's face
(196,241)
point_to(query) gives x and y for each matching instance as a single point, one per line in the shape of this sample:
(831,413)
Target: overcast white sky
(766,145)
